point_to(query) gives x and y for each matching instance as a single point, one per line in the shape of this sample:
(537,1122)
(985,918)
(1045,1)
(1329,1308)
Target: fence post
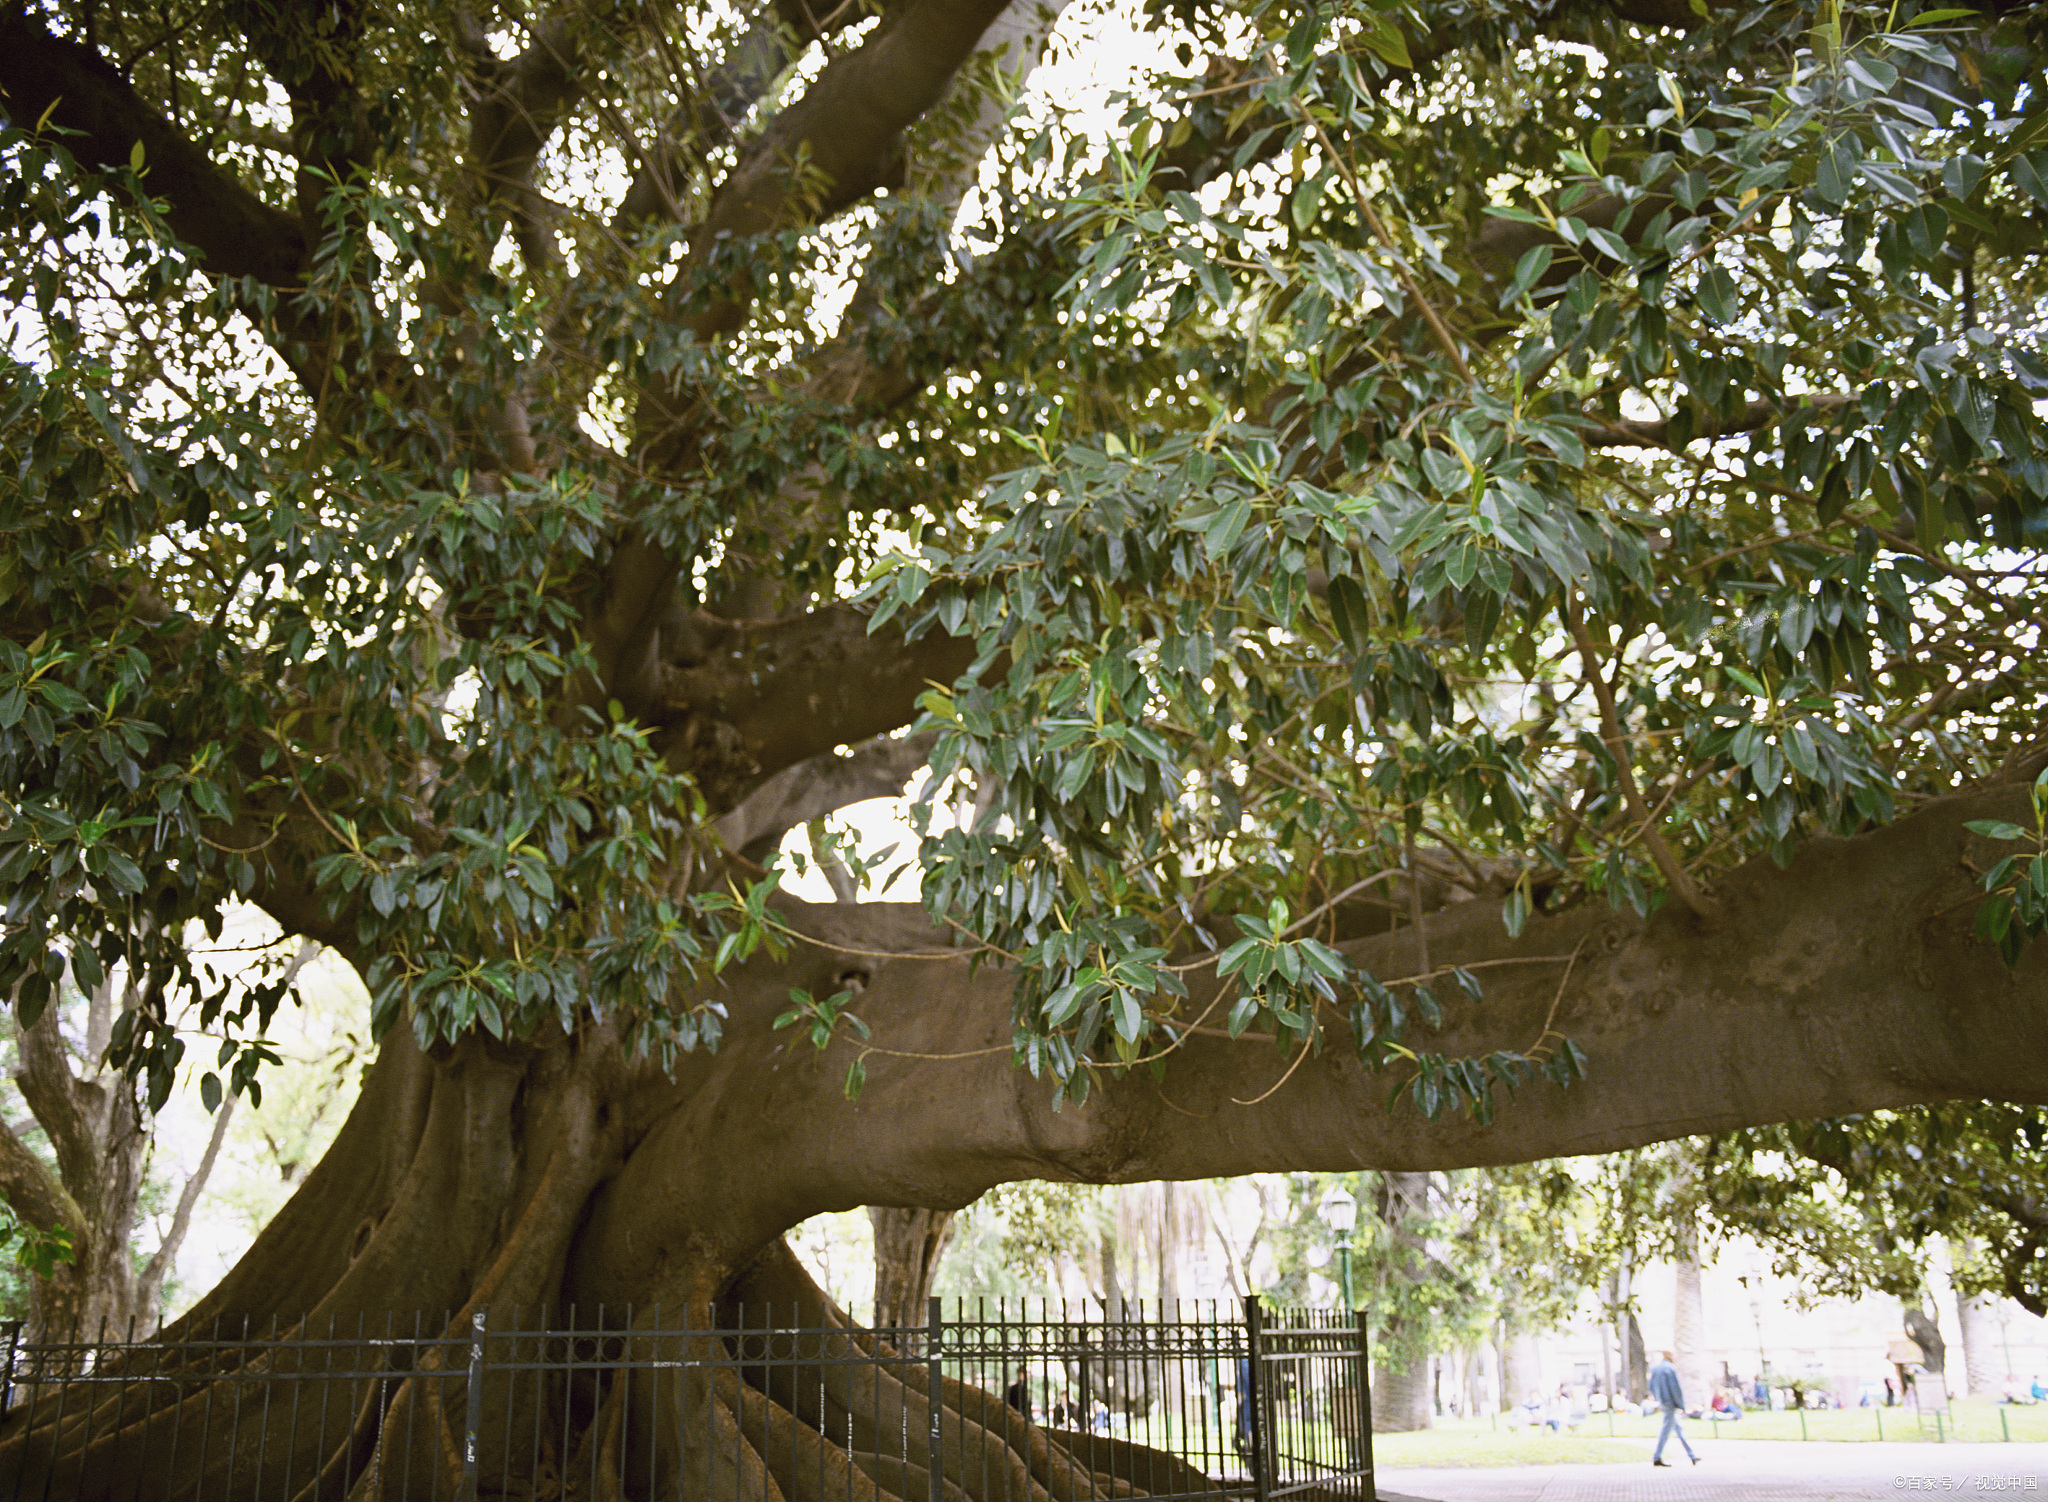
(935,1379)
(13,1328)
(475,1420)
(1371,1488)
(1252,1400)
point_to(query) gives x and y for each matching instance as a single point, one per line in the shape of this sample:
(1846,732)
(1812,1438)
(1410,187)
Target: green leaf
(1514,912)
(1836,171)
(1127,1013)
(1224,528)
(1349,611)
(1385,38)
(2029,177)
(1528,271)
(1995,829)
(1716,294)
(1308,199)
(85,966)
(1233,959)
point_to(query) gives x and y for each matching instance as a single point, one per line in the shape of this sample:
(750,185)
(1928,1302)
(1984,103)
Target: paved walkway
(1734,1470)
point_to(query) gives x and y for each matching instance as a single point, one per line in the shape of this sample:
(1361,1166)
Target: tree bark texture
(1689,1323)
(100,1138)
(908,1246)
(1403,1385)
(569,1172)
(1983,1359)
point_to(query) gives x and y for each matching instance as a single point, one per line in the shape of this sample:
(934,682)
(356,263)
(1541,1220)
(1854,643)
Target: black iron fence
(1042,1404)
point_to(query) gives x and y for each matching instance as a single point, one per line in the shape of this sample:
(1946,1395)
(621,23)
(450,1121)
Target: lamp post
(1339,1211)
(1763,1362)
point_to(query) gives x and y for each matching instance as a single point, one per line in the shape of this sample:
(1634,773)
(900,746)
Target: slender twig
(1301,1054)
(1556,1001)
(1415,911)
(1409,285)
(1675,875)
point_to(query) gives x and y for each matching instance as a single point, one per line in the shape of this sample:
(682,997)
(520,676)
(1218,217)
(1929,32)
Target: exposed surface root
(904,1479)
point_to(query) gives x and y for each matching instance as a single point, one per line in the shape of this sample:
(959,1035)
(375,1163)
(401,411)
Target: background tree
(1474,543)
(78,1171)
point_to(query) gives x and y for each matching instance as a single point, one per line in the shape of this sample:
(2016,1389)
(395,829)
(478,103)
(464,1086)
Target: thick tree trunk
(1689,1324)
(1638,1358)
(1403,1392)
(1521,1372)
(908,1246)
(1983,1363)
(1401,1396)
(570,1171)
(101,1140)
(1932,1382)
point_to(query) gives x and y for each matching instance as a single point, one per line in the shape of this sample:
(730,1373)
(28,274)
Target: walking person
(1670,1397)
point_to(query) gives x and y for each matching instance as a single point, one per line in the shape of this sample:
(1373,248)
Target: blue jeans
(1670,1428)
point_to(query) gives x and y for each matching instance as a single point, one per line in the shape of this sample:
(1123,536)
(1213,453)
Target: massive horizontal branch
(845,127)
(1847,981)
(824,785)
(31,1190)
(831,148)
(519,102)
(796,687)
(1754,417)
(51,79)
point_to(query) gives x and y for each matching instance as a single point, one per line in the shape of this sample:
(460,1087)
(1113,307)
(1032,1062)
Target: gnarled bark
(568,1172)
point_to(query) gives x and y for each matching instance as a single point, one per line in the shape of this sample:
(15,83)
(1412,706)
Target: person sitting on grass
(1670,1396)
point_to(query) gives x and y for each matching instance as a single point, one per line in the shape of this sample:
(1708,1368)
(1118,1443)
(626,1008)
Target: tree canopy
(1426,544)
(1457,542)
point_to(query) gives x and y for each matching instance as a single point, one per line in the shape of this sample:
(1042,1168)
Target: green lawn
(1482,1442)
(1458,1442)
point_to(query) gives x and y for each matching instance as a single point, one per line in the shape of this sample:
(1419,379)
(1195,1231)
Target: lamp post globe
(1339,1211)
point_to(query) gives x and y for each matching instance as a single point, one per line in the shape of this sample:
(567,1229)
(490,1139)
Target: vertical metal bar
(625,1380)
(597,1396)
(298,1392)
(91,1402)
(263,1433)
(1249,1401)
(420,1388)
(562,1459)
(1363,1361)
(511,1395)
(156,1366)
(934,1460)
(654,1402)
(478,1322)
(13,1328)
(235,1409)
(206,1376)
(70,1350)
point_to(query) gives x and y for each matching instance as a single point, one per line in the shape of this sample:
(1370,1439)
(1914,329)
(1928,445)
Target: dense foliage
(1541,454)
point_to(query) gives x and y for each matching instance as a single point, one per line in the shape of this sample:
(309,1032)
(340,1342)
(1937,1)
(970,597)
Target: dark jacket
(1664,1385)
